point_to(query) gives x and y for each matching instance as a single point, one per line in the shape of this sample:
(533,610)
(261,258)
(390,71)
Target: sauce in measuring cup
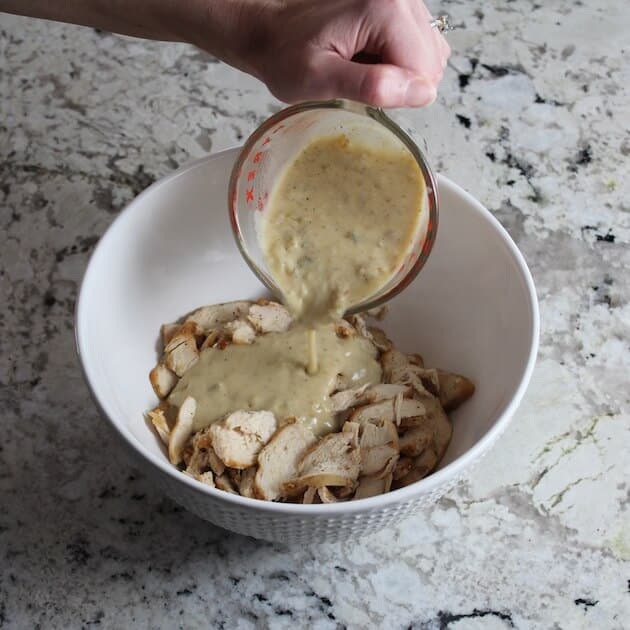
(340,222)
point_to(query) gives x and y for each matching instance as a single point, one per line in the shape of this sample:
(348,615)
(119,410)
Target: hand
(302,49)
(308,49)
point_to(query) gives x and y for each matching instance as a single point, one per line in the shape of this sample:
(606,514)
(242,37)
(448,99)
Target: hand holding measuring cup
(310,49)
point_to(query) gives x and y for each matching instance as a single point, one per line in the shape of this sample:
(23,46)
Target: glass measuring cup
(279,140)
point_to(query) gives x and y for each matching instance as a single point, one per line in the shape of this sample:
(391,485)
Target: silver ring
(442,23)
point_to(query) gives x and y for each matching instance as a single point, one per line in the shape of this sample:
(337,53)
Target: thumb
(380,85)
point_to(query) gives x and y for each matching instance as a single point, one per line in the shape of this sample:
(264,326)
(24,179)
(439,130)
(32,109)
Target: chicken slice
(162,380)
(310,496)
(241,332)
(211,339)
(344,329)
(366,394)
(415,440)
(182,430)
(238,438)
(246,482)
(378,312)
(421,467)
(223,482)
(333,461)
(373,486)
(278,461)
(159,422)
(454,390)
(392,361)
(343,400)
(181,351)
(378,337)
(269,317)
(409,410)
(403,466)
(214,316)
(358,322)
(326,496)
(435,420)
(379,448)
(168,332)
(203,456)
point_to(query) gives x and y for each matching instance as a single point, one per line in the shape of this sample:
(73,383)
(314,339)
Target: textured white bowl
(472,309)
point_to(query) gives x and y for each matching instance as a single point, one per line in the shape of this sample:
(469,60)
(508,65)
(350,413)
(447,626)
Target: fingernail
(420,93)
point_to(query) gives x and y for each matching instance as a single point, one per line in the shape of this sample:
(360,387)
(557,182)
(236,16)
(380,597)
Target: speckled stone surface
(533,119)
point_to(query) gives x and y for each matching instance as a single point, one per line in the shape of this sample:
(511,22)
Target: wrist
(235,31)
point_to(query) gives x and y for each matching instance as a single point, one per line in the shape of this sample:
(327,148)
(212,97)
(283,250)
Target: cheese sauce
(340,223)
(271,374)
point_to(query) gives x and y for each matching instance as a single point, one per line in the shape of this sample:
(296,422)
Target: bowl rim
(425,486)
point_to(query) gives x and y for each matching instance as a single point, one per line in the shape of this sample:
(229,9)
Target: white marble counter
(533,119)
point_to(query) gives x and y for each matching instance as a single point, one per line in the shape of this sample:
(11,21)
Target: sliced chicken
(269,317)
(181,351)
(238,438)
(373,486)
(168,332)
(434,419)
(241,332)
(344,329)
(415,440)
(379,448)
(416,359)
(326,496)
(159,422)
(348,398)
(212,338)
(203,456)
(366,394)
(278,461)
(409,410)
(207,478)
(379,312)
(379,339)
(310,496)
(246,482)
(358,322)
(214,316)
(454,390)
(183,333)
(407,369)
(162,380)
(403,466)
(421,467)
(182,430)
(333,461)
(223,482)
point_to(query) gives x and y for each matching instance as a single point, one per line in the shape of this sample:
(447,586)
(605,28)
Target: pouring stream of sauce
(340,223)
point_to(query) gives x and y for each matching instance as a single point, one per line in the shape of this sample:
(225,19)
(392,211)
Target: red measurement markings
(249,195)
(262,200)
(257,157)
(251,176)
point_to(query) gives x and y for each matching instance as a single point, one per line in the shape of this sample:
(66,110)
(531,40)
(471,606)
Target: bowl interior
(471,309)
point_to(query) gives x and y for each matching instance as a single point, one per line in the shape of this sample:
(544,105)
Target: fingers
(402,34)
(380,85)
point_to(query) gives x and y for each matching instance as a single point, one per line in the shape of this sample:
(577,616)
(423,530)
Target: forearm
(210,24)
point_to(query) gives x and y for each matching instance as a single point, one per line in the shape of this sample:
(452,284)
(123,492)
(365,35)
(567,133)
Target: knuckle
(374,87)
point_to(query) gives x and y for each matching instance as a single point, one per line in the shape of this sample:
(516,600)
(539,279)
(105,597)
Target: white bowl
(472,309)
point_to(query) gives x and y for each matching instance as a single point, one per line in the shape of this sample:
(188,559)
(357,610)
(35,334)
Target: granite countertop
(533,119)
